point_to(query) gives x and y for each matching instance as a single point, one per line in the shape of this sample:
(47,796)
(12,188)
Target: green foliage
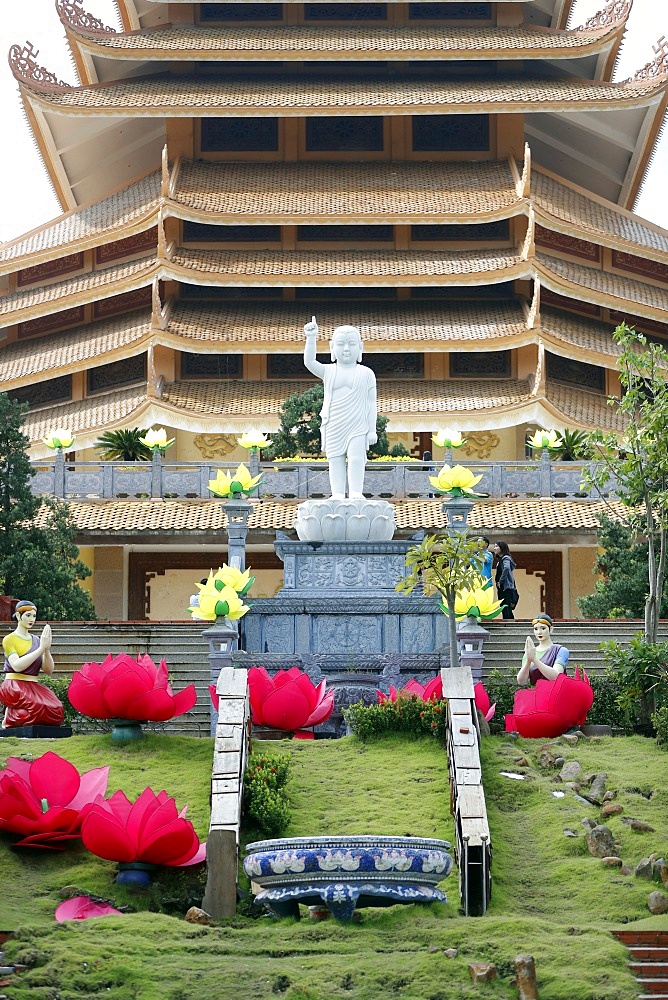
(398,451)
(660,723)
(501,687)
(265,801)
(639,672)
(405,715)
(445,563)
(124,445)
(606,710)
(38,557)
(574,446)
(299,430)
(621,591)
(639,464)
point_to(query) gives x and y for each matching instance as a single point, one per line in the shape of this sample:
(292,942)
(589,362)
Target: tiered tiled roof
(310,191)
(603,287)
(157,517)
(214,41)
(296,94)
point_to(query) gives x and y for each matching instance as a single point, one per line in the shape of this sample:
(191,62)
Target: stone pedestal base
(349,520)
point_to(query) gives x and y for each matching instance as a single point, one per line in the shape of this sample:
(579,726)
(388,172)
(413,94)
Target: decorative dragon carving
(72,13)
(24,66)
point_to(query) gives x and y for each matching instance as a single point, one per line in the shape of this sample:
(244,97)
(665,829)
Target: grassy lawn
(550,897)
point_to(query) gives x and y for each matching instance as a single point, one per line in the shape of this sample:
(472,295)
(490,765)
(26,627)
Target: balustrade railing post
(238,511)
(545,474)
(59,474)
(156,473)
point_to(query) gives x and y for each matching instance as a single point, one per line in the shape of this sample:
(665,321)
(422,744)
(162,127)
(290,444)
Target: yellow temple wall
(108,582)
(582,580)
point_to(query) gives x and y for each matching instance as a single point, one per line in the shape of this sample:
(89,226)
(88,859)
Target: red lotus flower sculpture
(552,707)
(149,830)
(289,700)
(124,688)
(45,799)
(433,691)
(482,702)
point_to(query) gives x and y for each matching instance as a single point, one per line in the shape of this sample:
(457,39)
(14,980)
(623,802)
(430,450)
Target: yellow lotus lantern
(229,576)
(156,439)
(476,603)
(448,439)
(217,602)
(544,439)
(456,481)
(253,440)
(228,485)
(59,439)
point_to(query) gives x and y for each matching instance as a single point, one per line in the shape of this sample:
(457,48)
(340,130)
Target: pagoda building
(455,178)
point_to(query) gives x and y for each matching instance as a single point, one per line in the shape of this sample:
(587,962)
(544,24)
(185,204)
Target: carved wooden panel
(567,244)
(50,269)
(549,298)
(127,247)
(122,303)
(56,321)
(639,265)
(547,567)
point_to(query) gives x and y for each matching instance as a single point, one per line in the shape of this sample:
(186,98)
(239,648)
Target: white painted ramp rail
(230,755)
(473,848)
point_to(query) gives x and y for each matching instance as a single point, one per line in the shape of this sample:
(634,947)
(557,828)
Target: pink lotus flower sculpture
(45,799)
(124,688)
(552,707)
(433,691)
(289,700)
(150,830)
(83,908)
(482,702)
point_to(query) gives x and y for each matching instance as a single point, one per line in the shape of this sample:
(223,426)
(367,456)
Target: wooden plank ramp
(473,847)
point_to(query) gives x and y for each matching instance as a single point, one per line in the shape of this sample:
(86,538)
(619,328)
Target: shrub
(265,801)
(660,723)
(640,673)
(405,715)
(501,688)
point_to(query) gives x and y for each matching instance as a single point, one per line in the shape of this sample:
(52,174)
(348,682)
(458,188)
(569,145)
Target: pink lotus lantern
(289,700)
(83,908)
(45,799)
(149,831)
(552,707)
(433,691)
(122,687)
(482,702)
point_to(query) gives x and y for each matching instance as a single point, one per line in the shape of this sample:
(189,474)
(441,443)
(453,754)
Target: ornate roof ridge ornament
(529,246)
(72,15)
(613,14)
(24,66)
(657,69)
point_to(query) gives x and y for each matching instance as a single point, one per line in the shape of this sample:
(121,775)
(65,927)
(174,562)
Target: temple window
(239,135)
(54,390)
(340,134)
(480,364)
(240,12)
(450,11)
(350,235)
(480,232)
(124,372)
(345,11)
(450,133)
(211,365)
(577,373)
(199,232)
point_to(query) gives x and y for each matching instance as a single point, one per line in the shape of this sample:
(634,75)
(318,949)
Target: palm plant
(573,445)
(124,445)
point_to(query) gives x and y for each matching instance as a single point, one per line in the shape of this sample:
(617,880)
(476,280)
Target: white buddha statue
(348,414)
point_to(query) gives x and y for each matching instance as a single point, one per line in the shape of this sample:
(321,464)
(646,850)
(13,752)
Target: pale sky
(29,200)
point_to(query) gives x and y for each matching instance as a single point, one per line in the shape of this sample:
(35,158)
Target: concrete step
(650,969)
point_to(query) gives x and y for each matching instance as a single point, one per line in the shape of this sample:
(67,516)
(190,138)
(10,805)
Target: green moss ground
(550,897)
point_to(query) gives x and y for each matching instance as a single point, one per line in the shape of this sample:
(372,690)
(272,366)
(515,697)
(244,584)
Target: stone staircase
(503,650)
(649,961)
(179,643)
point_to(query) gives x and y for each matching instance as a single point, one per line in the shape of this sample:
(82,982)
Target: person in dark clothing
(506,589)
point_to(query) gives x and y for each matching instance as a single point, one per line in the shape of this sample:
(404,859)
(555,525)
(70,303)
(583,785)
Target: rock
(609,796)
(525,977)
(569,738)
(626,870)
(583,802)
(588,777)
(546,759)
(597,789)
(600,842)
(664,875)
(657,903)
(197,916)
(637,825)
(588,823)
(559,761)
(450,952)
(569,833)
(522,762)
(613,862)
(570,771)
(611,809)
(644,869)
(657,868)
(482,972)
(70,891)
(433,948)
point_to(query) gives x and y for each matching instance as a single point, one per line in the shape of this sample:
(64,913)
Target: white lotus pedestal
(356,520)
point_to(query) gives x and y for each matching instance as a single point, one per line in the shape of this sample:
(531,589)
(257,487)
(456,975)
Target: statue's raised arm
(348,415)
